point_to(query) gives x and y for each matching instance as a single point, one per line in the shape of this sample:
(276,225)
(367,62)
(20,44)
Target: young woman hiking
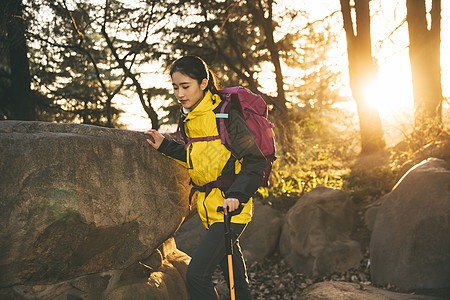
(238,172)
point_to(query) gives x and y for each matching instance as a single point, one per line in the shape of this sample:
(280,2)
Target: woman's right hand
(157,137)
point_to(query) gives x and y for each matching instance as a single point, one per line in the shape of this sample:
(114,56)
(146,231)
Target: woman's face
(187,90)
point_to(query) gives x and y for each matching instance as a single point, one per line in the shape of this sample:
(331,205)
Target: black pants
(209,254)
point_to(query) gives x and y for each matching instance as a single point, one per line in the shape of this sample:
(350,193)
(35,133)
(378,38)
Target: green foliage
(318,156)
(370,176)
(419,143)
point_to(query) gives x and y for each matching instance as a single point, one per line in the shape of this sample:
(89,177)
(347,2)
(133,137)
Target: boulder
(79,199)
(410,242)
(167,279)
(258,241)
(334,290)
(315,238)
(190,235)
(371,211)
(260,238)
(160,276)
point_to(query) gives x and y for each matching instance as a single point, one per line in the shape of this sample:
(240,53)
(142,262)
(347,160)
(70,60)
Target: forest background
(355,87)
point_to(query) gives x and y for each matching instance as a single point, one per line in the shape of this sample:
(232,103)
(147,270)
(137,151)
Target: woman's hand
(230,204)
(157,137)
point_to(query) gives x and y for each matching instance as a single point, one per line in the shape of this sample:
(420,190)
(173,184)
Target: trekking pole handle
(228,239)
(226,218)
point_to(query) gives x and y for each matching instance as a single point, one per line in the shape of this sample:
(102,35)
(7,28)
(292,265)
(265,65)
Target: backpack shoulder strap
(180,130)
(222,118)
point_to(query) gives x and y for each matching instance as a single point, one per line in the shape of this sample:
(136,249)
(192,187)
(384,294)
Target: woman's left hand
(158,137)
(230,204)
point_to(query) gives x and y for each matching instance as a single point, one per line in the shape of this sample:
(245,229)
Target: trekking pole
(228,249)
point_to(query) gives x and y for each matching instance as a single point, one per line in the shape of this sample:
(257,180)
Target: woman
(209,162)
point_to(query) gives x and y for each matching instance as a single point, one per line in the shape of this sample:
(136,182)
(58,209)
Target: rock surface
(315,239)
(410,242)
(190,234)
(161,276)
(167,279)
(259,240)
(79,199)
(333,290)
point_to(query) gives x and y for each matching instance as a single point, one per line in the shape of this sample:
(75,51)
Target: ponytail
(212,83)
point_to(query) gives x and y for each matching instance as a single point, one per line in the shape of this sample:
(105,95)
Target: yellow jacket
(207,160)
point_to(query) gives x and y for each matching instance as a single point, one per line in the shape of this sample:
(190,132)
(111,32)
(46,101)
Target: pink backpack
(254,109)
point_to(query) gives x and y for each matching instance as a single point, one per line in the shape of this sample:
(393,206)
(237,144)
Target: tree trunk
(362,70)
(24,107)
(424,54)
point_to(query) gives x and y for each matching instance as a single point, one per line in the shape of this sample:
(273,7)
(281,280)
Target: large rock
(315,236)
(161,276)
(259,240)
(166,281)
(334,290)
(190,235)
(79,199)
(410,243)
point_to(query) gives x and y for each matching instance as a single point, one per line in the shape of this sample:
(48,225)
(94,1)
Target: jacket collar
(206,105)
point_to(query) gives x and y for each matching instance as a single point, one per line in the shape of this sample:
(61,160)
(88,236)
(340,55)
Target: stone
(165,282)
(80,199)
(155,260)
(260,238)
(180,261)
(190,235)
(371,213)
(334,290)
(92,284)
(135,271)
(315,238)
(410,241)
(137,290)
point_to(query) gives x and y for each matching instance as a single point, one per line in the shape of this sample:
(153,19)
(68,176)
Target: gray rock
(79,199)
(410,242)
(190,235)
(260,238)
(333,290)
(164,282)
(315,236)
(258,241)
(371,213)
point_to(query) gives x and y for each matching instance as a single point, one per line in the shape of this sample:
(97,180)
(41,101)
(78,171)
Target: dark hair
(196,68)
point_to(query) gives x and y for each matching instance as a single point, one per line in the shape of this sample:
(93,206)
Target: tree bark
(424,54)
(362,70)
(23,105)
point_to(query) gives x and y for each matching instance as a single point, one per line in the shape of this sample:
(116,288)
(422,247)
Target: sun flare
(391,91)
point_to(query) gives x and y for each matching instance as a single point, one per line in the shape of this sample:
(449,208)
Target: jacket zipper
(206,212)
(190,166)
